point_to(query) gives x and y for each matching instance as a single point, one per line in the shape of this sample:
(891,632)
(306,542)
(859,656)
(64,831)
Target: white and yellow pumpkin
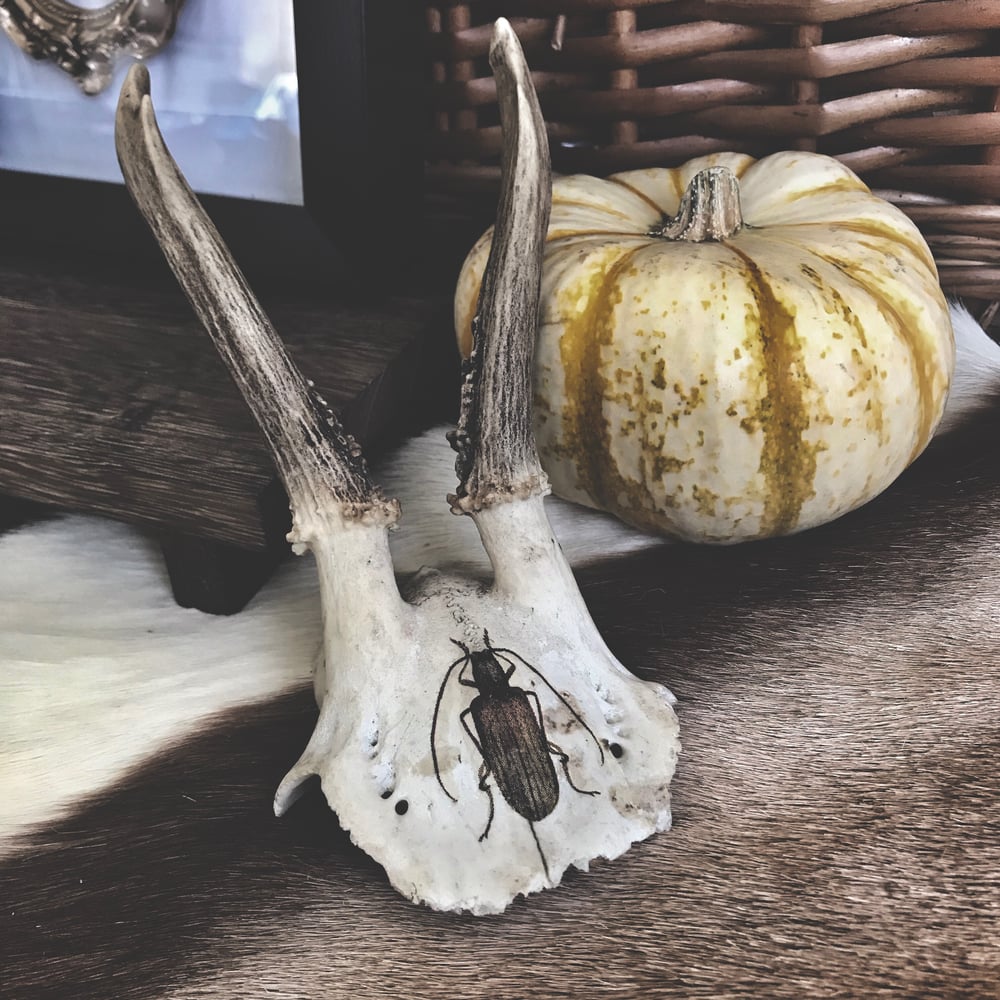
(720,374)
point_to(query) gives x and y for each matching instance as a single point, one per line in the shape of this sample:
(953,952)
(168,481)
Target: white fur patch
(99,668)
(977,369)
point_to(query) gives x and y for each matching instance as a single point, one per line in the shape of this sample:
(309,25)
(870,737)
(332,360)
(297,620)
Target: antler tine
(497,460)
(315,458)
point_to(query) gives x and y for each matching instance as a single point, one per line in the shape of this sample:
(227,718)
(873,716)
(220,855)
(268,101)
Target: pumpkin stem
(709,210)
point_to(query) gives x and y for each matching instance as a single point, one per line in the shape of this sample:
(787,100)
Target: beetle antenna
(541,853)
(573,711)
(434,720)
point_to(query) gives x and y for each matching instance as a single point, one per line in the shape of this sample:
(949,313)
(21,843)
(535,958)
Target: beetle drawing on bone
(510,736)
(386,641)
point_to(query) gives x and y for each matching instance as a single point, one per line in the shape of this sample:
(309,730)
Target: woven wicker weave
(905,93)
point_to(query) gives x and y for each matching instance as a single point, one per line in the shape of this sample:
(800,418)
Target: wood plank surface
(112,399)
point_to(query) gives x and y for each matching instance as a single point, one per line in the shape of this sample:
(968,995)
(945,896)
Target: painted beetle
(509,735)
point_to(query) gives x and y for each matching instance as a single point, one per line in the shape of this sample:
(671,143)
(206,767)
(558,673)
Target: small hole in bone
(616,750)
(370,737)
(401,806)
(384,775)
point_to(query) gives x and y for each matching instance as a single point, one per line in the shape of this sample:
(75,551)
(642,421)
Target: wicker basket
(905,93)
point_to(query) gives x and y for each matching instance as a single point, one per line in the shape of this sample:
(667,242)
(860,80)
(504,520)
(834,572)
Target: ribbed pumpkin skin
(723,391)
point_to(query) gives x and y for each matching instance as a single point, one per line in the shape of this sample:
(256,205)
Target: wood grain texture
(112,399)
(839,77)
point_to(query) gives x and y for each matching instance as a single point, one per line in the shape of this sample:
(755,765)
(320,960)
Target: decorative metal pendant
(84,42)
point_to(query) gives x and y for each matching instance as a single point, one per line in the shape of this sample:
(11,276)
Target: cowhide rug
(837,808)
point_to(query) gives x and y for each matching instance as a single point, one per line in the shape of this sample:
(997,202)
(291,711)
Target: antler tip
(501,29)
(134,92)
(136,85)
(503,42)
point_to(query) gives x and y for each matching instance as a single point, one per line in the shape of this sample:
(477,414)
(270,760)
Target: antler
(497,459)
(315,458)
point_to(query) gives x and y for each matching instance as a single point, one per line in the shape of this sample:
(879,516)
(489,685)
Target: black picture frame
(361,114)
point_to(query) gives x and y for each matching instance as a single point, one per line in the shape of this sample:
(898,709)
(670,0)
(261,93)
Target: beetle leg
(472,735)
(564,760)
(462,680)
(484,772)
